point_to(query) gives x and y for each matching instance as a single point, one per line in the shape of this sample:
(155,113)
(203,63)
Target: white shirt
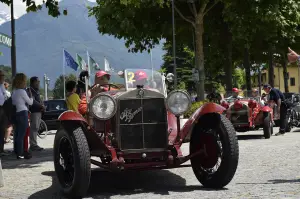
(8,95)
(20,99)
(2,94)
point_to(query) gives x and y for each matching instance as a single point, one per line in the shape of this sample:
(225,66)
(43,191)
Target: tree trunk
(271,67)
(285,74)
(228,66)
(199,57)
(247,68)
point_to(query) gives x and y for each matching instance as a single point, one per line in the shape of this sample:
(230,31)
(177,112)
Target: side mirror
(170,77)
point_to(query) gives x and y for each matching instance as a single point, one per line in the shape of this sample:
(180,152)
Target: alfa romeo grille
(143,124)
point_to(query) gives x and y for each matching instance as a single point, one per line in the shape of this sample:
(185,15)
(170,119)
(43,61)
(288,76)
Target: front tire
(72,162)
(212,131)
(268,126)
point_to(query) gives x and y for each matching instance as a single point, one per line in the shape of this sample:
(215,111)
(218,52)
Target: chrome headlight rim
(93,101)
(186,94)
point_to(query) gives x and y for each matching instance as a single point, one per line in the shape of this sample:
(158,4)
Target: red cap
(140,75)
(236,90)
(101,73)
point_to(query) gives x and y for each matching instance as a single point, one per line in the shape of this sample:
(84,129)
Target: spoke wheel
(43,130)
(215,138)
(72,161)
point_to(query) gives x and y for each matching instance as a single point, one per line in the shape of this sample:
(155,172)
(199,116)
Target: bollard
(1,176)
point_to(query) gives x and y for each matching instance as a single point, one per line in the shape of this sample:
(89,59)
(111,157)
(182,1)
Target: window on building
(292,81)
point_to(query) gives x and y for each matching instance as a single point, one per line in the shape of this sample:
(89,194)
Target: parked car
(53,110)
(138,128)
(248,113)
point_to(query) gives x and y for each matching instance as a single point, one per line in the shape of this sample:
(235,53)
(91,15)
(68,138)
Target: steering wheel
(110,85)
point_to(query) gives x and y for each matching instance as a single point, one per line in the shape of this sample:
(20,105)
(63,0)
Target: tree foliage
(58,91)
(52,5)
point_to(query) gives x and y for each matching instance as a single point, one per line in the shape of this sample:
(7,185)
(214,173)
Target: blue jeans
(21,124)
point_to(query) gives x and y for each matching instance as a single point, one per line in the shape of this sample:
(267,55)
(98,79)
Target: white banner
(5,40)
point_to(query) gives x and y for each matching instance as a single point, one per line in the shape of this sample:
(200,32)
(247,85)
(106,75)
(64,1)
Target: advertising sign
(5,40)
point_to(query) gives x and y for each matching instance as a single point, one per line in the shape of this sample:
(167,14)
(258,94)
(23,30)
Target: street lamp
(13,41)
(46,85)
(174,45)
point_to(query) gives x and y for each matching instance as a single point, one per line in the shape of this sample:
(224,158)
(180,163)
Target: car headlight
(103,106)
(178,102)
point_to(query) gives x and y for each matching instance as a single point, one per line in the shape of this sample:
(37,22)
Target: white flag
(106,65)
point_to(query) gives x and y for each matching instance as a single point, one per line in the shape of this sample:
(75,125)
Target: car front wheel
(72,162)
(267,126)
(215,141)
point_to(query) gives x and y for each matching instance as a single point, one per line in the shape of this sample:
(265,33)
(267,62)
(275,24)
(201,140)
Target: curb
(1,176)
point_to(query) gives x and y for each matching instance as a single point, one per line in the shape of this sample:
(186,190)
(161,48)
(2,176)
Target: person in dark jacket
(276,96)
(36,113)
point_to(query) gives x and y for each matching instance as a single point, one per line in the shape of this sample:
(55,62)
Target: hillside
(41,39)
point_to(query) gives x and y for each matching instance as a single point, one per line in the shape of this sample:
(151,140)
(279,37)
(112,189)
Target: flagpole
(89,70)
(151,61)
(64,73)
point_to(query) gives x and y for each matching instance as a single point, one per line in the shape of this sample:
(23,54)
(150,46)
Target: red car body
(247,113)
(175,140)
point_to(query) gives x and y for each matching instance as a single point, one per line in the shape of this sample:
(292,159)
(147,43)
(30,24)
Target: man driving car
(235,94)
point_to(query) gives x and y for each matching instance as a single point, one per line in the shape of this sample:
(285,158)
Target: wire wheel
(43,130)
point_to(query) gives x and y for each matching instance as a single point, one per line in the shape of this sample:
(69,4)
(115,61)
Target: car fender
(267,109)
(71,116)
(196,117)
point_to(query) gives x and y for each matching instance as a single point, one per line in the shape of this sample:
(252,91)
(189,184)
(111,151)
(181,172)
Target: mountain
(40,40)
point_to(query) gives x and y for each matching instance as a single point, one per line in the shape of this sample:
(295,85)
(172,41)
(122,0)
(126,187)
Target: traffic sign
(5,40)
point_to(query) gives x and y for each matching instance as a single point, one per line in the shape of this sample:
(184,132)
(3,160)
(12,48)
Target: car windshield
(244,95)
(152,80)
(114,79)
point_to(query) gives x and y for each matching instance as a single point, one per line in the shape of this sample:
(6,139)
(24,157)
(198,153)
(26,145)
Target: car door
(53,109)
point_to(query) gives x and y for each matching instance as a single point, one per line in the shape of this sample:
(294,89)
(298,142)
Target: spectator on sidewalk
(9,126)
(21,100)
(72,99)
(36,113)
(3,118)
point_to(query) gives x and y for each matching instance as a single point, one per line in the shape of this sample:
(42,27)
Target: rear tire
(268,126)
(204,137)
(72,162)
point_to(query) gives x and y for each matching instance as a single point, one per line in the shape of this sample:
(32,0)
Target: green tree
(51,5)
(185,61)
(7,73)
(262,26)
(58,91)
(127,19)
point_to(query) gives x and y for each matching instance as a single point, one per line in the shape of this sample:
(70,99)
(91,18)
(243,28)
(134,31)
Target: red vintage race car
(249,113)
(138,128)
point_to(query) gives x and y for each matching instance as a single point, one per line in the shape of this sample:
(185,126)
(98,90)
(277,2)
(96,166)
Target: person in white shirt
(9,126)
(3,118)
(21,100)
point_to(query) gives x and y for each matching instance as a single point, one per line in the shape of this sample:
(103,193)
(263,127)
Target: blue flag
(69,61)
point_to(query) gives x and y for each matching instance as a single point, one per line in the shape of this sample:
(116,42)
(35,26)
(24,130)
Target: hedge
(193,108)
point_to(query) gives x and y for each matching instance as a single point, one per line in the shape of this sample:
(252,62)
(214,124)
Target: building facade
(293,78)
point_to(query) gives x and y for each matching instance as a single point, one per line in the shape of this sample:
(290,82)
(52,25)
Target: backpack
(10,110)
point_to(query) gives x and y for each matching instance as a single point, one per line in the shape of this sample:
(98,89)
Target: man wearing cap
(276,96)
(140,77)
(235,94)
(101,79)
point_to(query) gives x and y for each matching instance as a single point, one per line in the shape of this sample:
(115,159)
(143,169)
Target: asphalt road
(267,169)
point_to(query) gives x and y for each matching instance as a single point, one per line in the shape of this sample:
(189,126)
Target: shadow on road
(11,162)
(250,137)
(282,181)
(105,184)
